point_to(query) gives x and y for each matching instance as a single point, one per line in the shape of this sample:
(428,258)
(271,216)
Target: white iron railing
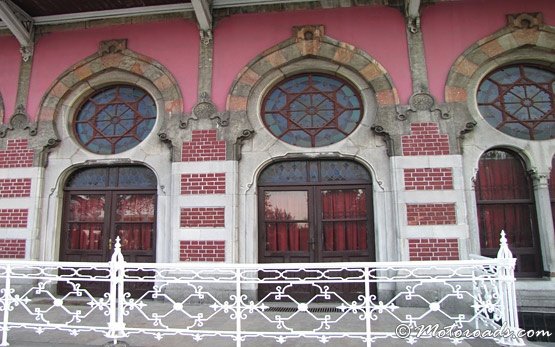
(369,302)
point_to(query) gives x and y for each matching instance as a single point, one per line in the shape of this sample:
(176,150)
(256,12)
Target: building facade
(280,131)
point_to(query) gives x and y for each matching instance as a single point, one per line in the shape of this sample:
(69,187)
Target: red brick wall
(13,218)
(431,214)
(425,139)
(206,183)
(203,146)
(12,248)
(434,249)
(15,187)
(204,217)
(428,179)
(16,154)
(202,250)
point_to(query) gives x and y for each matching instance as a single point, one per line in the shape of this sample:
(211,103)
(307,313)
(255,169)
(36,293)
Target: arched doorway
(315,211)
(102,203)
(505,201)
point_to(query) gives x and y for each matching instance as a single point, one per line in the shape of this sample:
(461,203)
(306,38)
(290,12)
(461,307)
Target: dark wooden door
(505,201)
(325,220)
(115,204)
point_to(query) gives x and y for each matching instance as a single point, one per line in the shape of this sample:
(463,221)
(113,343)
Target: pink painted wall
(10,60)
(174,44)
(379,31)
(449,28)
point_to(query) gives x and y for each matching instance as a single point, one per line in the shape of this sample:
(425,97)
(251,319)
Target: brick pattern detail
(428,179)
(12,248)
(204,146)
(425,139)
(205,183)
(16,154)
(203,217)
(202,250)
(434,249)
(15,187)
(14,218)
(431,214)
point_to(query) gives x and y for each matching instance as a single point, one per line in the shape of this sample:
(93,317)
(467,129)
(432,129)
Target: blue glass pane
(89,178)
(284,173)
(105,96)
(310,106)
(84,132)
(136,176)
(348,121)
(121,115)
(291,172)
(276,101)
(343,170)
(296,85)
(537,75)
(329,136)
(125,143)
(506,75)
(100,146)
(86,112)
(325,83)
(276,123)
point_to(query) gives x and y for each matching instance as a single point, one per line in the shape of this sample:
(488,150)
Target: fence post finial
(504,251)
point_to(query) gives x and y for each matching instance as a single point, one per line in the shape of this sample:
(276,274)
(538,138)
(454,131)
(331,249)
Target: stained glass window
(312,110)
(518,100)
(115,119)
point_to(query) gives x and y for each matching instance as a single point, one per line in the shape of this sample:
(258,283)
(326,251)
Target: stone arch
(524,31)
(112,55)
(310,42)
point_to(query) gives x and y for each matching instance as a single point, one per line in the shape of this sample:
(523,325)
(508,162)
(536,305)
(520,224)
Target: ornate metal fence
(234,304)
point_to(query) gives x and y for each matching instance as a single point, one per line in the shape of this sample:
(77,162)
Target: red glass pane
(86,221)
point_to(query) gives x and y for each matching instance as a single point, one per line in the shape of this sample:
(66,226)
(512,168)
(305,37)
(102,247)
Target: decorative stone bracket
(421,102)
(206,109)
(246,134)
(380,131)
(19,120)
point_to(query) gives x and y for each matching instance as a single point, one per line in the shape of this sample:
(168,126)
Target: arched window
(312,110)
(114,119)
(505,201)
(315,211)
(518,100)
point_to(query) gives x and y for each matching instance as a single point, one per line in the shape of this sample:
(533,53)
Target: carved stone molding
(413,23)
(420,102)
(206,37)
(468,127)
(205,109)
(51,143)
(380,131)
(525,20)
(308,32)
(246,134)
(112,46)
(19,120)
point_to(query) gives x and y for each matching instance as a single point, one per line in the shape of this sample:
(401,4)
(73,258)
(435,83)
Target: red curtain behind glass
(344,219)
(505,202)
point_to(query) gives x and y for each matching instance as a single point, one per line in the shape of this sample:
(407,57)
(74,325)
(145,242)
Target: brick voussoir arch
(517,35)
(112,55)
(314,45)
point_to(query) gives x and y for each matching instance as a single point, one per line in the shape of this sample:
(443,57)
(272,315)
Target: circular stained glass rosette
(518,100)
(115,119)
(312,110)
